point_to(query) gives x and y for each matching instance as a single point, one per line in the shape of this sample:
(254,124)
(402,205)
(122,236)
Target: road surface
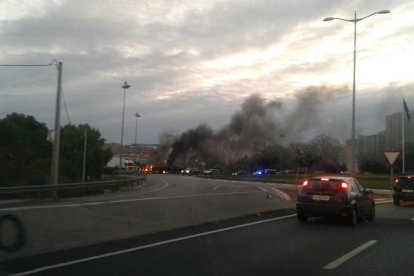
(271,243)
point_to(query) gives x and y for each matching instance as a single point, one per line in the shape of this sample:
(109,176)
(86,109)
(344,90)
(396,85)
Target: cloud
(191,62)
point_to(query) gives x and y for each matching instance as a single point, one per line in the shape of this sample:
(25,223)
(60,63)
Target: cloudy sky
(190,62)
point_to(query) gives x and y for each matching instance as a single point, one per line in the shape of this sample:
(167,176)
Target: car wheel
(302,218)
(371,215)
(396,201)
(353,217)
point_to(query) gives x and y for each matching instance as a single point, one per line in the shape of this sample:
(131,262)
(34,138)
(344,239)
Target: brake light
(344,185)
(325,179)
(397,180)
(305,183)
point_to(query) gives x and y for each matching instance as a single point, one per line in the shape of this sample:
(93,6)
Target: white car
(211,172)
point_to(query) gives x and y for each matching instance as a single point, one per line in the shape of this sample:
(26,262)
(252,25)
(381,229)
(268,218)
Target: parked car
(189,171)
(403,189)
(334,196)
(240,172)
(265,171)
(211,172)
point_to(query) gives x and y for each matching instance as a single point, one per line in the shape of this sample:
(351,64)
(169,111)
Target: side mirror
(369,192)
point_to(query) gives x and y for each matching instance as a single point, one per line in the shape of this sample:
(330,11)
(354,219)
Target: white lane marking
(166,184)
(98,203)
(91,203)
(216,187)
(281,194)
(40,269)
(382,201)
(263,189)
(349,255)
(412,219)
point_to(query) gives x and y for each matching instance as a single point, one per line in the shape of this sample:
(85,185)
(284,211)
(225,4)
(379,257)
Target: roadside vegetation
(371,181)
(26,150)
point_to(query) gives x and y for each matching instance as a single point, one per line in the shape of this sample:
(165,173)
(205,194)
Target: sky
(195,62)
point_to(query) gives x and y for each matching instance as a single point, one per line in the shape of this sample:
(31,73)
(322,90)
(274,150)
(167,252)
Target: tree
(72,151)
(321,153)
(326,147)
(24,151)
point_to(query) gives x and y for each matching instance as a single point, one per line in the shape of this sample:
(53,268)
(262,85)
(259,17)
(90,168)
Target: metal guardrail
(72,186)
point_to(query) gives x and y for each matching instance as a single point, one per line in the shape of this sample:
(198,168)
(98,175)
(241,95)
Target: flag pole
(405,109)
(403,142)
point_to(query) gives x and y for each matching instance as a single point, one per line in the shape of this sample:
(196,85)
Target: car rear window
(406,181)
(317,184)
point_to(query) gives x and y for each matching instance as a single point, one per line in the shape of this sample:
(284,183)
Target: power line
(30,65)
(42,65)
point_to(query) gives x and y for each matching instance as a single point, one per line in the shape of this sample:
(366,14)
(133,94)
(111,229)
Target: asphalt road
(273,243)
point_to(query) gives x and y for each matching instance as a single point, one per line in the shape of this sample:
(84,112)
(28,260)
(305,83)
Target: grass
(370,181)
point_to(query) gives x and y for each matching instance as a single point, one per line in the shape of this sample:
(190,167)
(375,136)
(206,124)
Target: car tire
(353,217)
(302,218)
(371,215)
(396,201)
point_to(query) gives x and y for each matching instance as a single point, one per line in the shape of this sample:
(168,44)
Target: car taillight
(397,180)
(305,183)
(344,185)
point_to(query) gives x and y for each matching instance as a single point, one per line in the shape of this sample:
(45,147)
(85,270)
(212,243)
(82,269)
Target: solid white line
(40,269)
(98,203)
(349,255)
(92,203)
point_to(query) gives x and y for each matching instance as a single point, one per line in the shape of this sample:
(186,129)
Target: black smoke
(261,122)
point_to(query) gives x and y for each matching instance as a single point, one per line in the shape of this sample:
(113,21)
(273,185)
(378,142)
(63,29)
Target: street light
(125,87)
(136,130)
(355,20)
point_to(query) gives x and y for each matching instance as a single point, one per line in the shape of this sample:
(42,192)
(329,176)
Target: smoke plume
(263,123)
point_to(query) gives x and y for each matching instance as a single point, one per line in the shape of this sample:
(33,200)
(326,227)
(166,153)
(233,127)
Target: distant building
(142,153)
(393,131)
(373,146)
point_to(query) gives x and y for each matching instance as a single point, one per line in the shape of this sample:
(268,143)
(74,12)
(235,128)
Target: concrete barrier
(50,228)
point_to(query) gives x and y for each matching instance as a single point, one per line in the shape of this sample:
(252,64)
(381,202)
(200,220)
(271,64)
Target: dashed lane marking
(349,255)
(382,200)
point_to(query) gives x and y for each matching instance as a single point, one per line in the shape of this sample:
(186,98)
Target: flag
(407,112)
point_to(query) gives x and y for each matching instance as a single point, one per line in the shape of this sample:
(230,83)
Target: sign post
(391,157)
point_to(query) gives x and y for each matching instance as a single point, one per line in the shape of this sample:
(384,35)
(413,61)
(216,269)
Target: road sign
(391,156)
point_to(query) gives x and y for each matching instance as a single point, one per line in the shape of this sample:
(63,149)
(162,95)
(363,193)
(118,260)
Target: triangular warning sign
(391,157)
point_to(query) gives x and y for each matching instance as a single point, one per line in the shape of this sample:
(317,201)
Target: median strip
(349,255)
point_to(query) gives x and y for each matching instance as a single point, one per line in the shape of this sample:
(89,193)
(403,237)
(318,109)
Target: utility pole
(54,173)
(84,155)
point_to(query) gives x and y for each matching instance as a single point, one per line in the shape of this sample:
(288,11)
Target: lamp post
(136,130)
(355,21)
(125,87)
